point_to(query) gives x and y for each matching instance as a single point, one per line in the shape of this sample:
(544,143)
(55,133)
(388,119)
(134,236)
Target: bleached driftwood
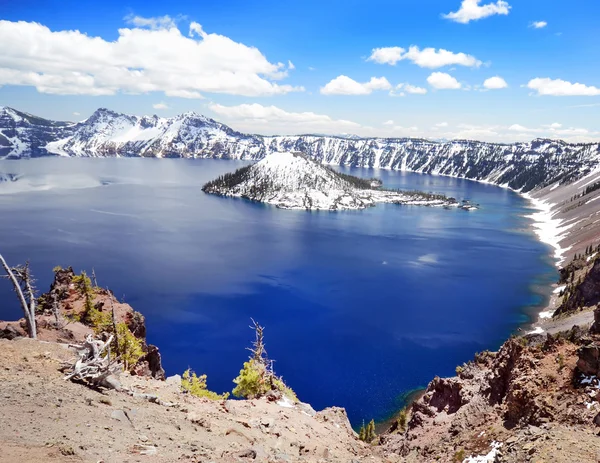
(92,366)
(21,279)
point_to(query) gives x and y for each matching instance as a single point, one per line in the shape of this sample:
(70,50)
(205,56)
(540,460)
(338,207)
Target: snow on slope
(294,181)
(521,166)
(107,133)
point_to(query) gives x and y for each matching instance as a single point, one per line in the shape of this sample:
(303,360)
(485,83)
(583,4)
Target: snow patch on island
(294,181)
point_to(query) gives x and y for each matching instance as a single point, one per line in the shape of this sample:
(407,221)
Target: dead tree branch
(92,367)
(22,282)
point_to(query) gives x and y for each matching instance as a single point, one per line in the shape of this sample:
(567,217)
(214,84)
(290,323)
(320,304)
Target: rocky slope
(295,181)
(522,166)
(533,400)
(61,317)
(47,419)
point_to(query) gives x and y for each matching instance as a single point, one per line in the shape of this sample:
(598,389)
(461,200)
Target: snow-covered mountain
(522,166)
(26,135)
(107,133)
(295,181)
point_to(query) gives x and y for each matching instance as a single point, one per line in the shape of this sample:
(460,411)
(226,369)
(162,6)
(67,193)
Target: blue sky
(231,61)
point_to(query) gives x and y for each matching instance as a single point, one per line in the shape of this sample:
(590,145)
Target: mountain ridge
(522,166)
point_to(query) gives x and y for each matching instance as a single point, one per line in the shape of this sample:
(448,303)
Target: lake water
(359,307)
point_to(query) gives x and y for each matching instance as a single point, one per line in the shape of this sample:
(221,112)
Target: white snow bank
(536,330)
(489,458)
(547,229)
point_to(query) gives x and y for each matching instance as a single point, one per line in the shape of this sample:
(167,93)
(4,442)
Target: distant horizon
(349,136)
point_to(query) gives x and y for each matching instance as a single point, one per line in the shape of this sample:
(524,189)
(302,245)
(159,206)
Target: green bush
(367,433)
(255,380)
(402,419)
(196,385)
(129,347)
(252,381)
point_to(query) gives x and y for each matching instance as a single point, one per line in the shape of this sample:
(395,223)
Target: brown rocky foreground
(47,419)
(534,400)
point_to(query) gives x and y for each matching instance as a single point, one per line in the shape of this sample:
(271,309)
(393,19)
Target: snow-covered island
(295,181)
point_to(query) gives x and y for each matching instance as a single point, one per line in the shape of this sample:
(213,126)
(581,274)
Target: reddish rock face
(61,319)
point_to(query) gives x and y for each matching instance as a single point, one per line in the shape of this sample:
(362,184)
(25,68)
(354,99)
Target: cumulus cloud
(159,22)
(256,118)
(403,89)
(160,105)
(151,56)
(471,10)
(425,58)
(390,122)
(539,24)
(443,81)
(494,83)
(344,85)
(76,114)
(559,87)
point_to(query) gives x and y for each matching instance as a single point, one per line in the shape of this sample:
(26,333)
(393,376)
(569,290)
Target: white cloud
(551,130)
(160,105)
(539,24)
(159,22)
(559,87)
(443,81)
(76,114)
(414,90)
(402,89)
(494,83)
(387,55)
(256,117)
(425,58)
(291,66)
(470,10)
(344,85)
(141,60)
(270,120)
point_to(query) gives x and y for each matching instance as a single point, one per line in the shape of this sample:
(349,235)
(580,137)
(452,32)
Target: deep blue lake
(359,307)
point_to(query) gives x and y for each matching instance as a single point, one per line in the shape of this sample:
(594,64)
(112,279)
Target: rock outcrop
(62,318)
(504,401)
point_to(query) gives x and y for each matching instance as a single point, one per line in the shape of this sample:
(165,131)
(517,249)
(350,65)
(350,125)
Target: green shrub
(196,385)
(367,433)
(402,419)
(459,456)
(257,378)
(58,268)
(252,381)
(129,347)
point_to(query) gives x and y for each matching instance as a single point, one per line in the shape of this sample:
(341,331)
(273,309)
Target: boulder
(589,359)
(10,332)
(595,329)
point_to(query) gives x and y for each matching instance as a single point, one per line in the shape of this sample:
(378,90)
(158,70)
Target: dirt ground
(45,418)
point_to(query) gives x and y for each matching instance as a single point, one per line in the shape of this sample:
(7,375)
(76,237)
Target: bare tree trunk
(28,309)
